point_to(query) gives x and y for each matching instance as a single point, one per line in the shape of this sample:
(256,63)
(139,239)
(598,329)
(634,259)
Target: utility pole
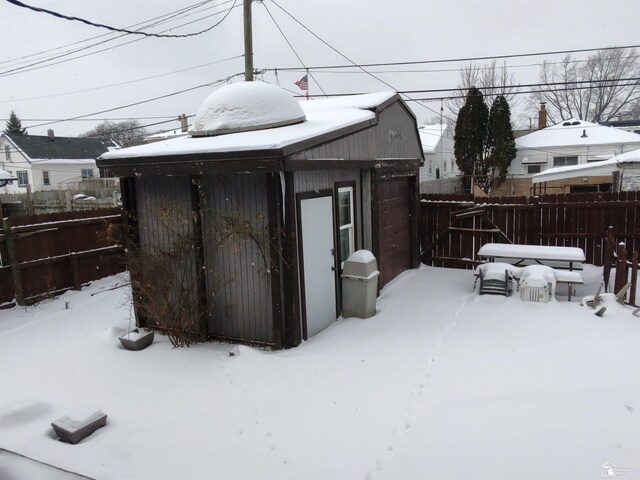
(248,42)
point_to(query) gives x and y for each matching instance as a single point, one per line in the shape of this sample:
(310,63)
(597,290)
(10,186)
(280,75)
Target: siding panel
(236,250)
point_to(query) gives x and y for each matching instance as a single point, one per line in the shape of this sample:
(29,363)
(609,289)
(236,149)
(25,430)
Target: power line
(291,46)
(210,84)
(348,59)
(13,100)
(115,29)
(321,70)
(448,60)
(35,65)
(160,19)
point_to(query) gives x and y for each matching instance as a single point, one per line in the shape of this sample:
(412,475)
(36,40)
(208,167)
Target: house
(44,162)
(623,171)
(268,197)
(440,171)
(571,142)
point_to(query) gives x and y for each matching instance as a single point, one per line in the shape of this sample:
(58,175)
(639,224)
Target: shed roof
(323,116)
(575,132)
(591,169)
(68,148)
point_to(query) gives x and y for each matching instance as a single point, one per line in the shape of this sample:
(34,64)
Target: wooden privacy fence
(44,255)
(454,227)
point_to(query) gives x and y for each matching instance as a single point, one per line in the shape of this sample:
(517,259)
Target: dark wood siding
(394,137)
(166,223)
(394,209)
(237,256)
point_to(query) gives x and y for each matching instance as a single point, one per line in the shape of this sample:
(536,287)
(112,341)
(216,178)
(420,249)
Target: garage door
(394,228)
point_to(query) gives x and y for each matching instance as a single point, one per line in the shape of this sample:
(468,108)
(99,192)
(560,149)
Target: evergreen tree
(14,125)
(484,144)
(501,143)
(471,133)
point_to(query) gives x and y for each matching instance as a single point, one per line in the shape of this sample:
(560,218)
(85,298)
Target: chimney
(52,137)
(184,126)
(542,116)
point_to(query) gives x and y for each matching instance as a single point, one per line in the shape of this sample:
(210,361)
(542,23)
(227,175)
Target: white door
(316,218)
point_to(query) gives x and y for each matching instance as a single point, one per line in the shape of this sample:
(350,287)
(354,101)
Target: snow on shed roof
(576,132)
(246,106)
(591,169)
(322,116)
(430,135)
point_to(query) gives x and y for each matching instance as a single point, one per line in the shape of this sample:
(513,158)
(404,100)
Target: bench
(570,279)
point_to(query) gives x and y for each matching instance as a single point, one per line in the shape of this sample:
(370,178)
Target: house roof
(323,116)
(61,148)
(591,169)
(576,132)
(430,136)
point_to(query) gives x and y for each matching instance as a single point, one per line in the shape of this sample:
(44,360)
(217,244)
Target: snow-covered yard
(441,383)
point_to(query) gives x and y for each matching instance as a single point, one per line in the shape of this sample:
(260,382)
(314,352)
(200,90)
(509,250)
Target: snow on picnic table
(441,383)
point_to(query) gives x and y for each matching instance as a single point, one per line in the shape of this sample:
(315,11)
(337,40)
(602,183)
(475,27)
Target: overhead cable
(115,29)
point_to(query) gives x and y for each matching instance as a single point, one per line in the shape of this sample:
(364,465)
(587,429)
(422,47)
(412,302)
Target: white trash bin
(359,285)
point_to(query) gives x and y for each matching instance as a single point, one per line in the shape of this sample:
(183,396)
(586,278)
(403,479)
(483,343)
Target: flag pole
(308,84)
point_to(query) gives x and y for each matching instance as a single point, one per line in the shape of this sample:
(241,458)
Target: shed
(273,195)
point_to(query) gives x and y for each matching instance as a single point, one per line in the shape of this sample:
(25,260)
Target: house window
(444,165)
(7,152)
(346,220)
(430,167)
(534,168)
(23,178)
(564,161)
(45,177)
(87,173)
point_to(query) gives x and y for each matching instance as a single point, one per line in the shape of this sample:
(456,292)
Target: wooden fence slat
(549,219)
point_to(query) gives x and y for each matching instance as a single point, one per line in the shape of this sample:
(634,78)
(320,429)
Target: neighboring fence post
(534,231)
(621,268)
(13,261)
(29,200)
(73,259)
(609,249)
(634,278)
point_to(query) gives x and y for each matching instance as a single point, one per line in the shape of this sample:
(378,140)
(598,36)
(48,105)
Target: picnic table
(564,258)
(568,258)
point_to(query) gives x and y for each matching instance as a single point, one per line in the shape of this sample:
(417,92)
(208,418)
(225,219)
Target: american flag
(303,83)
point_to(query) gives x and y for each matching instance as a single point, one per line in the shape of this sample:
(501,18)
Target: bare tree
(599,89)
(492,78)
(126,133)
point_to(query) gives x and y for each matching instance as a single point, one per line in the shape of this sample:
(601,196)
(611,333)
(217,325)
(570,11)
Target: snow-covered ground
(441,383)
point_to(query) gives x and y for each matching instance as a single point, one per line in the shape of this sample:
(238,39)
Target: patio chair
(495,279)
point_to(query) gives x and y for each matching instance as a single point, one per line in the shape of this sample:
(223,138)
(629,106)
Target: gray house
(273,195)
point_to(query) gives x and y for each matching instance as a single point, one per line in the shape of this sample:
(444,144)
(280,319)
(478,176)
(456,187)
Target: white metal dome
(246,106)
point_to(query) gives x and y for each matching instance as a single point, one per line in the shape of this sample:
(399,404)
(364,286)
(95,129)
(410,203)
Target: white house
(439,161)
(571,142)
(44,162)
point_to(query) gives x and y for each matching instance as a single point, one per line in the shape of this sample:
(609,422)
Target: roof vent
(584,134)
(246,106)
(51,135)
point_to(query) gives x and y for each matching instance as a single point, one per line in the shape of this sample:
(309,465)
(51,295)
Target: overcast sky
(366,31)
